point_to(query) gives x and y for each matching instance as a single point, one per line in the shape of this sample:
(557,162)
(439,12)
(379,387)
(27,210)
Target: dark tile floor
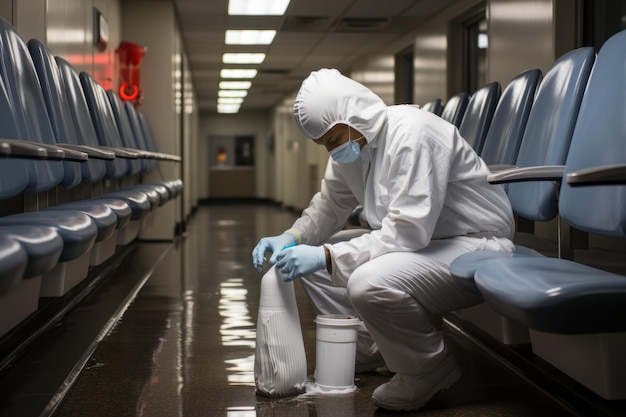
(184,346)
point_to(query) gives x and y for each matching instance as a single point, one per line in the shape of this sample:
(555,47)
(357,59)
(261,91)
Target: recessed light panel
(243,58)
(249,37)
(257,7)
(238,73)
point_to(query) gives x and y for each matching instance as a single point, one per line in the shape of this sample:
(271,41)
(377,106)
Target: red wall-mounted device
(130,56)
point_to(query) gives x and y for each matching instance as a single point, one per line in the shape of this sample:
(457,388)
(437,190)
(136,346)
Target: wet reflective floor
(179,340)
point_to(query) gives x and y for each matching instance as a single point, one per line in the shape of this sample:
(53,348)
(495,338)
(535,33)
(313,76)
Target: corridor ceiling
(312,34)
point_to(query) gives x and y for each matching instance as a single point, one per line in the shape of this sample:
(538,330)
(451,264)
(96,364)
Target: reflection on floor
(185,344)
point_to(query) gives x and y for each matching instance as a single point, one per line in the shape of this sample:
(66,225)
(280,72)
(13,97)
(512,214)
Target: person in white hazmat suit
(425,196)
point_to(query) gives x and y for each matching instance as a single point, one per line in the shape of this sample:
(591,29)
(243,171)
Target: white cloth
(424,193)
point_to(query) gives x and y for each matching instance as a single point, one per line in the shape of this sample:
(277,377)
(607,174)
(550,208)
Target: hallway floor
(183,344)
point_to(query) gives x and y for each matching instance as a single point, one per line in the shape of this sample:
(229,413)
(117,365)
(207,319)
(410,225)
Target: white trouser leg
(330,299)
(397,295)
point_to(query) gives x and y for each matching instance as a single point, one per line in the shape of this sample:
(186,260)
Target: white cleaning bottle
(280,361)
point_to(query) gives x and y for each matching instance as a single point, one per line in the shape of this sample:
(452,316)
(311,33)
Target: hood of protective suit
(327,97)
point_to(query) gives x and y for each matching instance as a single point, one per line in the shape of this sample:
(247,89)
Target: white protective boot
(407,392)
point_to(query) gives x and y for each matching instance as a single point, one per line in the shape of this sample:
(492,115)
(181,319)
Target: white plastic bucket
(335,351)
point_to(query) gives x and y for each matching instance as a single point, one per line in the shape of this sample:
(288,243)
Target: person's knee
(362,290)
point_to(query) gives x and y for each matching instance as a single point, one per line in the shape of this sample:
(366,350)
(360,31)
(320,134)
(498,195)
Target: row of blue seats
(561,153)
(73,158)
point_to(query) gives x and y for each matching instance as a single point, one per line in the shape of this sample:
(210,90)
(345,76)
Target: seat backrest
(147,133)
(81,118)
(149,165)
(433,106)
(509,119)
(599,139)
(455,107)
(56,99)
(478,115)
(104,123)
(29,110)
(549,130)
(124,130)
(13,172)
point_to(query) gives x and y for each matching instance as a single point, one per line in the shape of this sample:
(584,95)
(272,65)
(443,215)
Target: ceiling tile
(312,35)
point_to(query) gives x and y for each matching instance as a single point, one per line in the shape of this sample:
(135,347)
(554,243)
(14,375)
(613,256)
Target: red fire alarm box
(130,56)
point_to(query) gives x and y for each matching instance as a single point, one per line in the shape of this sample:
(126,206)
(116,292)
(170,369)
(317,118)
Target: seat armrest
(163,156)
(602,175)
(20,149)
(121,152)
(523,174)
(52,151)
(500,167)
(92,152)
(66,154)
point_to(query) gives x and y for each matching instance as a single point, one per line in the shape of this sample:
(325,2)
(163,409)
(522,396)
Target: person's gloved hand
(300,260)
(272,244)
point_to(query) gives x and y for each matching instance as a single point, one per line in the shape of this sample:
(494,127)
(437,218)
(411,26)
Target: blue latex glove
(300,260)
(272,244)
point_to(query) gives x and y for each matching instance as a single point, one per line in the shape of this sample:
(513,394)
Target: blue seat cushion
(121,209)
(103,217)
(76,229)
(42,244)
(138,202)
(463,268)
(161,191)
(554,295)
(153,195)
(12,263)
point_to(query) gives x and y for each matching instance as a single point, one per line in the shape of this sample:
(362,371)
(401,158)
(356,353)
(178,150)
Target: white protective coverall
(424,193)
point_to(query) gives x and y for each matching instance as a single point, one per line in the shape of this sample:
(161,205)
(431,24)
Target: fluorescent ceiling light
(232,93)
(230,100)
(249,37)
(238,73)
(243,58)
(257,7)
(228,108)
(235,85)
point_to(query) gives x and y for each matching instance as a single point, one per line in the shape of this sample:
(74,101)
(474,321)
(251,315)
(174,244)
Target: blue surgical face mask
(347,152)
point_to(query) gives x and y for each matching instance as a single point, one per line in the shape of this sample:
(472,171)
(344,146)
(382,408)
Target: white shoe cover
(411,392)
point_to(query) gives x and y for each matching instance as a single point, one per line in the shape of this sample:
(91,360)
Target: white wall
(66,27)
(521,34)
(255,124)
(152,23)
(430,53)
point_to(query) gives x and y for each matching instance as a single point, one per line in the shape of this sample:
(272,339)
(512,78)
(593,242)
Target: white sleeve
(328,210)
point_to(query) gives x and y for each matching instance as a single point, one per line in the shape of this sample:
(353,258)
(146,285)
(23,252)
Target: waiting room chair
(545,141)
(576,312)
(455,107)
(509,120)
(478,115)
(29,120)
(433,106)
